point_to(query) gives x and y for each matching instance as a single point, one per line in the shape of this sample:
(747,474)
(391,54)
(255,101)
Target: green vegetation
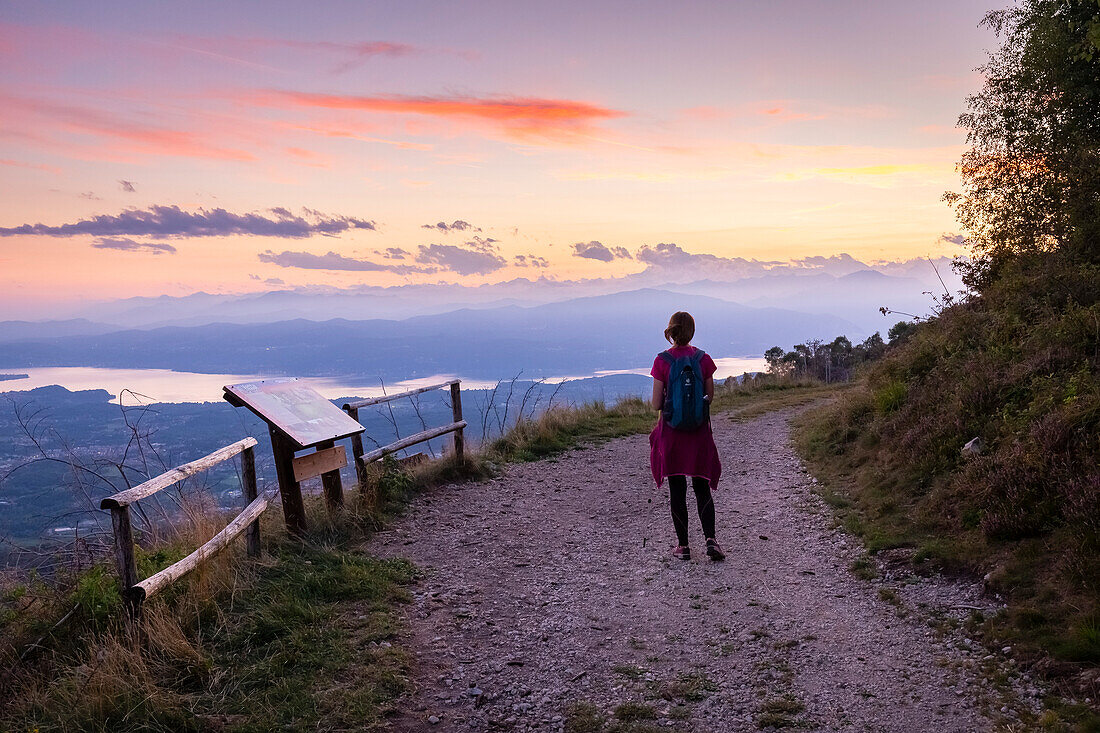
(584,717)
(629,717)
(631,711)
(1017,368)
(687,687)
(1016,363)
(779,713)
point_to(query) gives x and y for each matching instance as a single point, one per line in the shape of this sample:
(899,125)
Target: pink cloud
(347,55)
(34,166)
(308,157)
(134,138)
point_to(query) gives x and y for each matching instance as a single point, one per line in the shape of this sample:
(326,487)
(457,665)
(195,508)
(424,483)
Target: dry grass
(238,644)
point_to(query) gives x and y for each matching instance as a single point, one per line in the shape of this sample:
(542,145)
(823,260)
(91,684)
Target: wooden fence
(135,592)
(456,427)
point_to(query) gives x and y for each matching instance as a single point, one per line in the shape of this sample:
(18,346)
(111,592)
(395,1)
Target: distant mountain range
(30,330)
(855,297)
(573,337)
(854,294)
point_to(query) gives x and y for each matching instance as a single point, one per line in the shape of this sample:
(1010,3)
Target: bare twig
(503,423)
(389,406)
(554,394)
(536,388)
(423,423)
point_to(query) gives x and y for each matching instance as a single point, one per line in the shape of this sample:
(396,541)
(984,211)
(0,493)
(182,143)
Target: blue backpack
(685,405)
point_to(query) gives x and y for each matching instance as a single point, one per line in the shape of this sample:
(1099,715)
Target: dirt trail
(553,585)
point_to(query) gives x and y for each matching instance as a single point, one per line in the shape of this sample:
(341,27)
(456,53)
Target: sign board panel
(295,409)
(320,461)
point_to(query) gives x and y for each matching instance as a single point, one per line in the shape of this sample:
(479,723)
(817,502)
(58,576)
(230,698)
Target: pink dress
(679,452)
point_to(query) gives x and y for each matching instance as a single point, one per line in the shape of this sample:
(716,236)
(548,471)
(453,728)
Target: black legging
(677,490)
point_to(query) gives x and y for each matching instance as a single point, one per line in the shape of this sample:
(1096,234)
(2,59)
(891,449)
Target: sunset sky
(167,148)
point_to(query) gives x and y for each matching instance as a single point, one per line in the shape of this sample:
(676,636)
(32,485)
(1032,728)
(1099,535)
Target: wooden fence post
(332,484)
(124,551)
(357,448)
(248,480)
(456,408)
(290,491)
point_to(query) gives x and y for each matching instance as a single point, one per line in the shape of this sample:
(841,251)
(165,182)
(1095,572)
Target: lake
(165,385)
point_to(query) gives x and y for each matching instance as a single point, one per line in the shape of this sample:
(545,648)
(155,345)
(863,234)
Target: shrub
(1018,366)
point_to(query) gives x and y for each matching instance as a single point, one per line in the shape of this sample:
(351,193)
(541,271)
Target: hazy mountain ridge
(580,336)
(825,280)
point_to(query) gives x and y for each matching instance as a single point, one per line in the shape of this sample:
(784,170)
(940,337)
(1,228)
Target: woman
(680,453)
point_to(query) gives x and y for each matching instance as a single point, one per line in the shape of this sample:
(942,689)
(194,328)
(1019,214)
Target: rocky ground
(549,597)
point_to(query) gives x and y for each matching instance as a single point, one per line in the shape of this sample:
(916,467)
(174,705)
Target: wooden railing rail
(456,427)
(399,395)
(421,437)
(163,481)
(244,521)
(247,522)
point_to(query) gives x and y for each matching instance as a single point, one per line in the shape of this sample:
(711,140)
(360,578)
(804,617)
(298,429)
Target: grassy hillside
(1015,365)
(1019,368)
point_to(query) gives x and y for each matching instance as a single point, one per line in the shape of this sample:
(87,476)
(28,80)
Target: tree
(900,331)
(774,359)
(1031,177)
(873,347)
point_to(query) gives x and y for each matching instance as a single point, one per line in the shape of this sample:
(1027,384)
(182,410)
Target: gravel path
(551,589)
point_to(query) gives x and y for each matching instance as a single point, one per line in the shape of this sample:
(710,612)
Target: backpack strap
(667,357)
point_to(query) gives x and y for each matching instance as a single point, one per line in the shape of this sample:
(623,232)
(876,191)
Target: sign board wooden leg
(289,490)
(334,487)
(357,449)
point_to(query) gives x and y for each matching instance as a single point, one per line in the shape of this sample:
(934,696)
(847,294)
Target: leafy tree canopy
(1031,176)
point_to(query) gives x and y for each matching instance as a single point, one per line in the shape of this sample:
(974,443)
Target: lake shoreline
(161,386)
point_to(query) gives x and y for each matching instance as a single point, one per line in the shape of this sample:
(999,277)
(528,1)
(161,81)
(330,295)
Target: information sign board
(294,409)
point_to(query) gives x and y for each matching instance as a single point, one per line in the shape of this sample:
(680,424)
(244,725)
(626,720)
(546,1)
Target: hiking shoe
(682,552)
(714,551)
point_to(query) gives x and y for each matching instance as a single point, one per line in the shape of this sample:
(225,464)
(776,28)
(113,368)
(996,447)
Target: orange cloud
(875,175)
(519,116)
(786,114)
(780,110)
